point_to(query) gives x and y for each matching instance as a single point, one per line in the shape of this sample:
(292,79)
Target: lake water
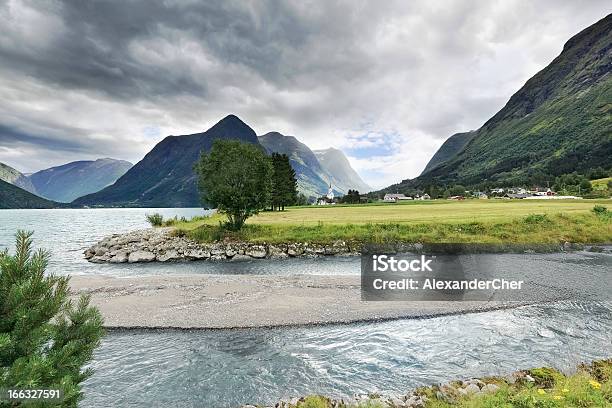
(228,368)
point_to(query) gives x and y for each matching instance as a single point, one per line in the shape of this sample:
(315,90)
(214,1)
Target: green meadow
(436,221)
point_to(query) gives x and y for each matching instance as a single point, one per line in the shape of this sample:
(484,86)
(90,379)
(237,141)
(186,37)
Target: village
(514,193)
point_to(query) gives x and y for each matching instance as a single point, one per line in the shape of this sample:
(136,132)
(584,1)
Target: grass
(590,386)
(439,221)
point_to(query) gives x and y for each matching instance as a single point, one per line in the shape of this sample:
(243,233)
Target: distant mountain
(12,196)
(165,176)
(449,149)
(70,181)
(557,123)
(335,163)
(12,176)
(313,181)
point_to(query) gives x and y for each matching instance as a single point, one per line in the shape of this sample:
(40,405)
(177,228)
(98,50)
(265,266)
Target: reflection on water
(229,368)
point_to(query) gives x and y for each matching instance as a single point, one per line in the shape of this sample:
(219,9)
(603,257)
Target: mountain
(449,149)
(165,176)
(12,176)
(557,123)
(313,181)
(12,196)
(69,181)
(335,163)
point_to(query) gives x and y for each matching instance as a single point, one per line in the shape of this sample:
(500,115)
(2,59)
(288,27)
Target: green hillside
(14,197)
(559,122)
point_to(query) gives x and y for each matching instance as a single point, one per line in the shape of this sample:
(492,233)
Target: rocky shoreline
(453,392)
(159,244)
(162,245)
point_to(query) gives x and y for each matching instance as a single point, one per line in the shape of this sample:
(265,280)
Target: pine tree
(284,182)
(45,340)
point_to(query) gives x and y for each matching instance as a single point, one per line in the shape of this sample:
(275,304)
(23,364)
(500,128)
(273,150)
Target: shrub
(600,210)
(45,340)
(156,220)
(536,219)
(314,401)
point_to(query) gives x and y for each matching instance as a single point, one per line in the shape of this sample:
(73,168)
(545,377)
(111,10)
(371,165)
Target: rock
(277,252)
(256,251)
(397,402)
(472,389)
(171,255)
(294,250)
(230,252)
(100,251)
(141,256)
(197,253)
(240,258)
(119,257)
(490,388)
(89,253)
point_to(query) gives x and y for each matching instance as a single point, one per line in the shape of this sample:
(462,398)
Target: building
(393,198)
(328,199)
(423,197)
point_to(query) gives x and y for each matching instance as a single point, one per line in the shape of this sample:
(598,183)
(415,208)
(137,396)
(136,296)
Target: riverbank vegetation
(590,386)
(476,221)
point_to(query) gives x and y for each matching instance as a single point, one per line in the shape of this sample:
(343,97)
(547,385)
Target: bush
(156,220)
(536,219)
(600,210)
(45,340)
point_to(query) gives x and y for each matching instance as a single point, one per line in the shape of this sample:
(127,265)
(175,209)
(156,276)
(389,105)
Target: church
(327,199)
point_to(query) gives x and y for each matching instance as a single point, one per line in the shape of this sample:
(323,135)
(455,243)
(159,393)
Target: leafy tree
(351,197)
(45,340)
(284,182)
(236,178)
(457,190)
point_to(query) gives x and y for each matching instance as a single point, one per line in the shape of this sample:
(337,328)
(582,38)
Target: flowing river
(231,367)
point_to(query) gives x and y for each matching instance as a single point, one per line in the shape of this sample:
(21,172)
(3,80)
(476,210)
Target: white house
(393,198)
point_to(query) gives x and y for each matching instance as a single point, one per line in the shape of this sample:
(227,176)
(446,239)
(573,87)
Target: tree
(351,197)
(284,182)
(45,340)
(236,178)
(301,199)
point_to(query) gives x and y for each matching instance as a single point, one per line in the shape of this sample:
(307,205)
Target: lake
(231,367)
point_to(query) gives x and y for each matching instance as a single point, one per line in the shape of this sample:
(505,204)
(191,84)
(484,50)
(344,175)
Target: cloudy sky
(386,82)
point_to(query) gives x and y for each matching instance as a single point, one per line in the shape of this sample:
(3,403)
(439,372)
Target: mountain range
(315,170)
(72,180)
(557,123)
(165,176)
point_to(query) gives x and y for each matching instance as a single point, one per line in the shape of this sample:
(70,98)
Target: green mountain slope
(12,176)
(72,180)
(165,176)
(14,197)
(560,121)
(449,149)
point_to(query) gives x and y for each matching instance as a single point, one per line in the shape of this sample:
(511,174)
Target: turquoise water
(229,368)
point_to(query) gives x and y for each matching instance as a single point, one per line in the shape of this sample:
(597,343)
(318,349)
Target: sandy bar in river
(232,301)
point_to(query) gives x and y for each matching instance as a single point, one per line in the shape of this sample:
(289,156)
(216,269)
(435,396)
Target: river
(231,367)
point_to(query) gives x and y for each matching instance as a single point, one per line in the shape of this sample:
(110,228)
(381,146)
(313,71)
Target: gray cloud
(111,78)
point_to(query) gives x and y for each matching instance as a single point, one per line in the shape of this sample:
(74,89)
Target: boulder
(171,255)
(141,256)
(119,257)
(256,251)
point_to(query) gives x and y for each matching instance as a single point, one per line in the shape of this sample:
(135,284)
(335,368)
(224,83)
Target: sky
(386,82)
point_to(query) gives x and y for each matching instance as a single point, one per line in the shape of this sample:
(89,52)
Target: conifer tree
(45,340)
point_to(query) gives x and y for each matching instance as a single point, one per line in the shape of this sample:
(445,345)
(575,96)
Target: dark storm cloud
(111,78)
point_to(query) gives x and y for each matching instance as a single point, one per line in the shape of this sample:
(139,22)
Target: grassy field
(478,221)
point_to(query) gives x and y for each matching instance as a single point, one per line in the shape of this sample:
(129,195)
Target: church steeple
(330,193)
